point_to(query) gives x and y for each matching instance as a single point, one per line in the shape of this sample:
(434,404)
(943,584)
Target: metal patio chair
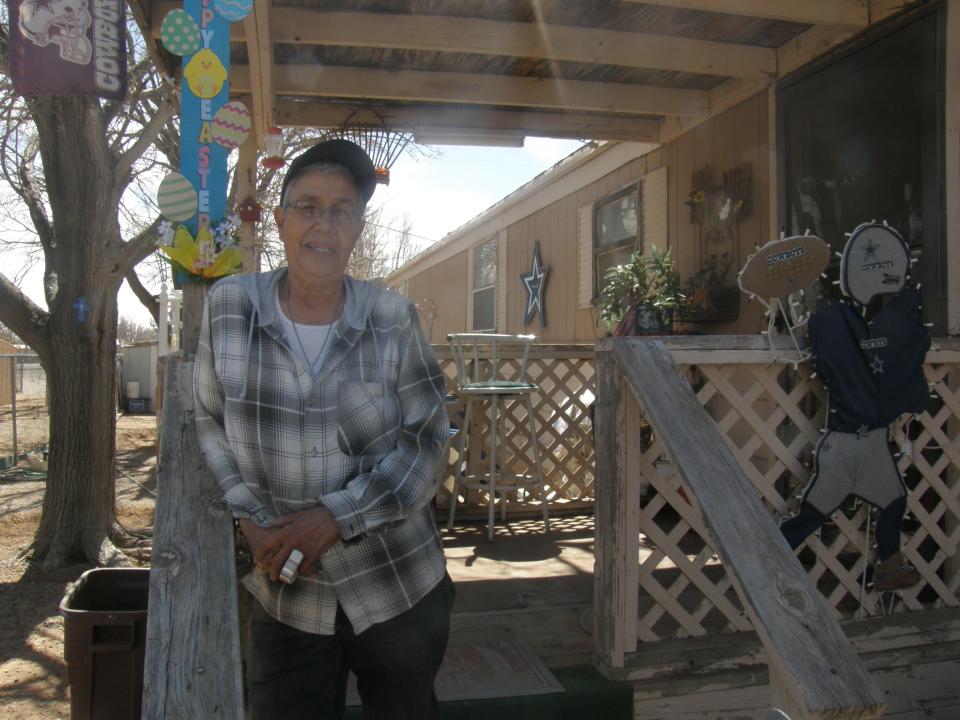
(481,378)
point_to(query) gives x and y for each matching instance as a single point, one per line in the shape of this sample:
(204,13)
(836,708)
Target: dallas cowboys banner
(68,47)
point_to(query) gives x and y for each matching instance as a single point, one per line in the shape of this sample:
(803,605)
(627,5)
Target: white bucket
(133,389)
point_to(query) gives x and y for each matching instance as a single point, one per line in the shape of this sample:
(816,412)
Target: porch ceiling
(599,69)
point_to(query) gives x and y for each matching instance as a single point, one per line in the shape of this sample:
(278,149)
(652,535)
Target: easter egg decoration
(177,198)
(232,10)
(231,125)
(179,33)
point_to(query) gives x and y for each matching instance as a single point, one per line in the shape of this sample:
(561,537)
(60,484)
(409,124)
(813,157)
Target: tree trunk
(78,507)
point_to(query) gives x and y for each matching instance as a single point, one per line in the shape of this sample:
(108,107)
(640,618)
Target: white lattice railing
(770,412)
(564,374)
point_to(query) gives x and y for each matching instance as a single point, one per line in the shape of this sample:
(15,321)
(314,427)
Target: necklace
(312,365)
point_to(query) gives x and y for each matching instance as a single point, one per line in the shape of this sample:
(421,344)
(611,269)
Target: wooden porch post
(192,662)
(247,187)
(952,150)
(617,508)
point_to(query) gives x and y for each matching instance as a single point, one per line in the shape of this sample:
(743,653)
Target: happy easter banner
(198,236)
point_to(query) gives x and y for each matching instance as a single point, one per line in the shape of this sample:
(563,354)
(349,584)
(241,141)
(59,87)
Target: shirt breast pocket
(367,419)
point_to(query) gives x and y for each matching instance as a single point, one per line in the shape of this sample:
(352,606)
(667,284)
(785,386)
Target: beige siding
(732,138)
(442,284)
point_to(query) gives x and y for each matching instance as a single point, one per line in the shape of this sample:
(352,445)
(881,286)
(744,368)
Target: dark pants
(294,675)
(796,529)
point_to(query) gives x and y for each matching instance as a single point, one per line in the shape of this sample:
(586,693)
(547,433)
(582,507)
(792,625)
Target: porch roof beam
(845,13)
(443,33)
(260,70)
(419,86)
(525,40)
(472,120)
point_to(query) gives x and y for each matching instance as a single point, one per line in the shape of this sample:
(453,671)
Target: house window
(616,232)
(484,286)
(862,140)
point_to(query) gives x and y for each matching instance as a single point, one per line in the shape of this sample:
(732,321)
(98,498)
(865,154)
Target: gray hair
(322,167)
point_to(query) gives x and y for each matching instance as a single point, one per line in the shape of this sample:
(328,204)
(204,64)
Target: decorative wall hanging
(717,209)
(201,240)
(534,282)
(68,47)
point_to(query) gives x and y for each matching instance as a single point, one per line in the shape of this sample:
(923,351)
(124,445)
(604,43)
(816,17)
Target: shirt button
(315,452)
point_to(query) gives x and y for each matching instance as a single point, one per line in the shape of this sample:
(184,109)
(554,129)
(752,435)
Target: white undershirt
(313,338)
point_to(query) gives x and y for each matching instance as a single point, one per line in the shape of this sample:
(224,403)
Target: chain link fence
(24,420)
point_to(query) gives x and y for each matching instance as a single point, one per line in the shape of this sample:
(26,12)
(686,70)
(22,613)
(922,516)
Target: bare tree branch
(149,301)
(32,199)
(137,247)
(4,51)
(24,317)
(147,135)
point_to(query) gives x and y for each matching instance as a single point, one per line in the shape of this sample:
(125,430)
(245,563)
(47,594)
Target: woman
(320,411)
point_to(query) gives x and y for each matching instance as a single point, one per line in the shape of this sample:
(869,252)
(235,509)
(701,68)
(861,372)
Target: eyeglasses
(338,215)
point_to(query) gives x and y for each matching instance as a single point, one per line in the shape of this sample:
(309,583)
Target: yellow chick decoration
(205,74)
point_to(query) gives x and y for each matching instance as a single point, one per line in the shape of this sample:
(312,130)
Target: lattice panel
(771,415)
(562,410)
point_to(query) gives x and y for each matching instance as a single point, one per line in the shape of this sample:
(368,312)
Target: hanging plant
(210,254)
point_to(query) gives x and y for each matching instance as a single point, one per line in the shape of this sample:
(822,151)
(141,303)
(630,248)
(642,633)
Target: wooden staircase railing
(814,670)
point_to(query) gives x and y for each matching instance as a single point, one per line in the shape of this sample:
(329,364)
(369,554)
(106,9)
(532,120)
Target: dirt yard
(33,677)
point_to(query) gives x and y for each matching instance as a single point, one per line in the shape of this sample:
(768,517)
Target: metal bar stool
(479,358)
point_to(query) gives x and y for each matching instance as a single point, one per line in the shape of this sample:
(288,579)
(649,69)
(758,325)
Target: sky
(439,194)
(442,194)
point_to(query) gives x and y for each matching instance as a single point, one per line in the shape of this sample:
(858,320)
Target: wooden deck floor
(540,587)
(537,586)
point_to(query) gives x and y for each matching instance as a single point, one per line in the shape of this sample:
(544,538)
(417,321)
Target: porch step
(588,695)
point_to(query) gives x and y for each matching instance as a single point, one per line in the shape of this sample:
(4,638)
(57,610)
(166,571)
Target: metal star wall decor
(534,282)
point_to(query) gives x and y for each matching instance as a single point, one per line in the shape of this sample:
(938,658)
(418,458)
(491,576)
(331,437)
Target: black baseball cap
(345,153)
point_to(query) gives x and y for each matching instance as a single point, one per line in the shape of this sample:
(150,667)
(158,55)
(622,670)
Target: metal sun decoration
(534,282)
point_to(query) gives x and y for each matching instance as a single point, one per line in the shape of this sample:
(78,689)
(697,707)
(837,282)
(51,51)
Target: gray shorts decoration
(853,464)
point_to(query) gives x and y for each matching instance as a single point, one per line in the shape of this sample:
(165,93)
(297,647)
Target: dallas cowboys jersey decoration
(873,370)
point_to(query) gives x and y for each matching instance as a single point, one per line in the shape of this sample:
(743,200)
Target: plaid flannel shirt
(363,439)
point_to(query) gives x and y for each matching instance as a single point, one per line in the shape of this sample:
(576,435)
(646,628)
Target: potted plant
(640,296)
(707,298)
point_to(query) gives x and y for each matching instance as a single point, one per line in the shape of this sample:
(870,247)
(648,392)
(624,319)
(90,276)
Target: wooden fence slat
(809,655)
(192,663)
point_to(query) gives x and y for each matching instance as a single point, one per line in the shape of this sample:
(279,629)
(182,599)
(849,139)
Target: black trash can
(105,628)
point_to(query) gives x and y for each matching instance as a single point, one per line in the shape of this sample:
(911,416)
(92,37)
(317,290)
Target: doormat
(481,665)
